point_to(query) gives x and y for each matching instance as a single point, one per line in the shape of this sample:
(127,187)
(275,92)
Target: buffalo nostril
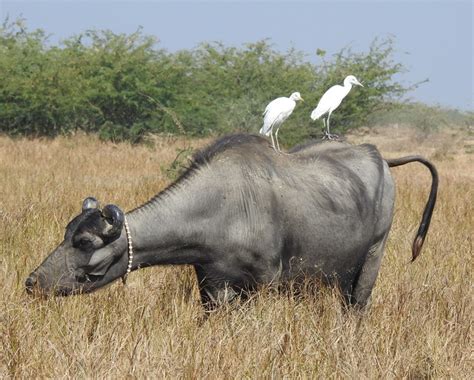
(29,284)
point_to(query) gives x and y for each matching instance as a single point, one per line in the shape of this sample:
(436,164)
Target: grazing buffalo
(244,215)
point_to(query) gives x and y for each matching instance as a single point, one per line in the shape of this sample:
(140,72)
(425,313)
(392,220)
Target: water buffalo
(244,215)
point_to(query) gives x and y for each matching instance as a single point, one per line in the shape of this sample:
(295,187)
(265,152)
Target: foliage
(124,87)
(179,164)
(423,117)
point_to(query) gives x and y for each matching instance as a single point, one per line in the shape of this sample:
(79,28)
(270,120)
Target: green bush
(124,87)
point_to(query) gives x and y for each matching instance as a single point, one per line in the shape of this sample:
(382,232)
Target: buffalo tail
(428,212)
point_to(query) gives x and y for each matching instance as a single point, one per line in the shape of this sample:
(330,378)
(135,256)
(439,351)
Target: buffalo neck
(171,228)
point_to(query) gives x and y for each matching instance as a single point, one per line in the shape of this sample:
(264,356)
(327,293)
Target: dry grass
(419,324)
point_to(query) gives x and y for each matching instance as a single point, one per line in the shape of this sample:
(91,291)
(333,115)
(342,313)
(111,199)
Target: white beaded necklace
(130,251)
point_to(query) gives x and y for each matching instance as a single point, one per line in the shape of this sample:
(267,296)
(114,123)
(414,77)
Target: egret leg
(328,134)
(276,137)
(273,142)
(278,144)
(325,132)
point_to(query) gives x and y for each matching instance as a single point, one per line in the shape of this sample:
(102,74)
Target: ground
(418,326)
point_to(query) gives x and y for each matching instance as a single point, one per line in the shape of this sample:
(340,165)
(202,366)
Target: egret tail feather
(264,132)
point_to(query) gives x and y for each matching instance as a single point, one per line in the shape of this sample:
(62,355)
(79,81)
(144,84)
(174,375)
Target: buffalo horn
(115,218)
(90,203)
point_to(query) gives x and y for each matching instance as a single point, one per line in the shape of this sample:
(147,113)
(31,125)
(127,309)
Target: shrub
(124,87)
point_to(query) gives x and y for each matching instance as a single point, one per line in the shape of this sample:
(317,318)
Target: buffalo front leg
(212,297)
(213,293)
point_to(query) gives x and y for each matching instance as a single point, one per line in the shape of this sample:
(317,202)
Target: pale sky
(434,39)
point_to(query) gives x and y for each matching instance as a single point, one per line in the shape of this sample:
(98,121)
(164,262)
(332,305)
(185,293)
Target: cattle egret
(331,100)
(276,113)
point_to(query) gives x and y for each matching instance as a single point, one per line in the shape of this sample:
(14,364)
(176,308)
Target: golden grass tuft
(418,326)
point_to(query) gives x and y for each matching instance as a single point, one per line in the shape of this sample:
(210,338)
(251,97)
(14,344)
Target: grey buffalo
(244,215)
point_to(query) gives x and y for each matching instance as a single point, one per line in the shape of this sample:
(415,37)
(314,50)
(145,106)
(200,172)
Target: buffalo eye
(83,243)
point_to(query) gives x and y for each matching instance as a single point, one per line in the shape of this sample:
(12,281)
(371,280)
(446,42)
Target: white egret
(276,113)
(331,99)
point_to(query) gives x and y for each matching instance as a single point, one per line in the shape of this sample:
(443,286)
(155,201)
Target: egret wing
(328,102)
(276,113)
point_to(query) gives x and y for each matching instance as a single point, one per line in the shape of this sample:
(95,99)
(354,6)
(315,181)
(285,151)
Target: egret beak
(301,99)
(359,84)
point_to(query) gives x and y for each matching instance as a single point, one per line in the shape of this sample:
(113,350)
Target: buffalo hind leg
(365,281)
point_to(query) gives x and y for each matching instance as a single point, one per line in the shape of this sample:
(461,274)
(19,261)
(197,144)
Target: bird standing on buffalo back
(276,113)
(331,99)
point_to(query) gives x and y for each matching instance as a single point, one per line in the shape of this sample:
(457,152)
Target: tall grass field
(419,324)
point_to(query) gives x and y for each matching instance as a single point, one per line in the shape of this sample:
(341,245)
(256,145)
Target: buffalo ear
(114,219)
(100,262)
(90,203)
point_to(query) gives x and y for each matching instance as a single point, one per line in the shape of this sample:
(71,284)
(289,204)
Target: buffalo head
(92,254)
